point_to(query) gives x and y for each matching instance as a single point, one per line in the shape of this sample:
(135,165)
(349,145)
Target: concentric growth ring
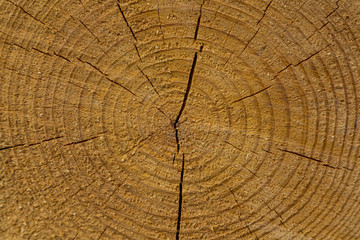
(202,119)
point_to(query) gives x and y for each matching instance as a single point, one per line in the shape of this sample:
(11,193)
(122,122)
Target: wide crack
(186,95)
(176,123)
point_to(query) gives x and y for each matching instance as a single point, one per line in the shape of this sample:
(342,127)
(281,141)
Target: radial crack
(14,146)
(186,95)
(127,23)
(85,140)
(40,51)
(148,79)
(56,54)
(247,44)
(198,21)
(180,198)
(300,155)
(27,13)
(90,31)
(137,52)
(255,93)
(310,158)
(45,140)
(264,12)
(297,64)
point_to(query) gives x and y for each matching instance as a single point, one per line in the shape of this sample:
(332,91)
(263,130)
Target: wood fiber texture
(186,119)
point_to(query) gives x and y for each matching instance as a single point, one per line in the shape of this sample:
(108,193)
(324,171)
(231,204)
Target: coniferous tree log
(189,119)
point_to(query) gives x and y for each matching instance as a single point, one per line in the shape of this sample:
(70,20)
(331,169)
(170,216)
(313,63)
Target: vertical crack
(180,198)
(127,23)
(198,21)
(186,95)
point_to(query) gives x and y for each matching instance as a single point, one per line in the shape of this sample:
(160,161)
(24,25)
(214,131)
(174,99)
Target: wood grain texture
(188,119)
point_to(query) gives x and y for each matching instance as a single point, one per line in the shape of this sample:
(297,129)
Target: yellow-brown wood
(214,119)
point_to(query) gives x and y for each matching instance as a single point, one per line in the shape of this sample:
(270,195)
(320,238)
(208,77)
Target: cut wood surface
(186,119)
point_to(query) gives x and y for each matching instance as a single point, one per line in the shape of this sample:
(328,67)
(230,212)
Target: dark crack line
(313,159)
(102,233)
(17,45)
(27,13)
(180,198)
(120,85)
(177,140)
(163,113)
(186,95)
(82,141)
(56,54)
(46,140)
(79,190)
(10,147)
(137,52)
(264,13)
(31,144)
(262,90)
(300,155)
(310,56)
(198,21)
(106,76)
(85,140)
(42,52)
(148,79)
(336,8)
(300,62)
(93,66)
(127,23)
(90,31)
(247,44)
